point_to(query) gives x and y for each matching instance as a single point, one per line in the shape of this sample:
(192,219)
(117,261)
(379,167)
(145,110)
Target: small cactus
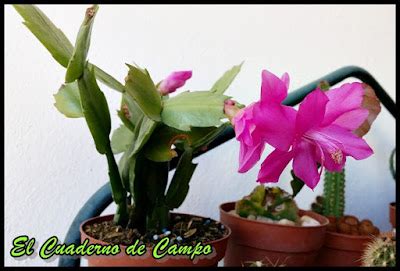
(268,202)
(380,252)
(334,185)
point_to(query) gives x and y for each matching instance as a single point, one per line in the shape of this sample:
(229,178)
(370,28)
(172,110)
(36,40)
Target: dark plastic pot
(122,259)
(342,250)
(392,214)
(253,240)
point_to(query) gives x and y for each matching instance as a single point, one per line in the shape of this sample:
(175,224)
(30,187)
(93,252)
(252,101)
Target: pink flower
(174,81)
(321,131)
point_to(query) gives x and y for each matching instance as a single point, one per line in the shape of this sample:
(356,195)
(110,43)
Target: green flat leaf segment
(141,88)
(47,33)
(107,79)
(121,139)
(179,187)
(78,60)
(130,113)
(225,81)
(55,41)
(143,131)
(68,100)
(95,110)
(194,109)
(159,146)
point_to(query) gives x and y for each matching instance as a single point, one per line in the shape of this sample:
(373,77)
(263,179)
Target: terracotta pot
(342,249)
(392,214)
(122,259)
(253,240)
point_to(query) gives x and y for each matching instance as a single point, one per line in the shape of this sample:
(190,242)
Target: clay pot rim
(349,236)
(109,217)
(322,225)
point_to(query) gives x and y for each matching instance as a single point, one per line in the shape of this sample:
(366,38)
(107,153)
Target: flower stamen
(337,156)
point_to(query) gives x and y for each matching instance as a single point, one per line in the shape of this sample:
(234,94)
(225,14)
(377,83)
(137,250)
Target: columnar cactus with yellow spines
(380,252)
(269,202)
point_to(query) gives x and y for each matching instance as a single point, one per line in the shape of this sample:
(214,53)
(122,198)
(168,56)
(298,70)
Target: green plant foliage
(95,110)
(179,186)
(194,109)
(202,137)
(151,124)
(226,80)
(68,100)
(121,139)
(141,88)
(143,131)
(56,42)
(77,61)
(129,112)
(159,148)
(47,33)
(107,79)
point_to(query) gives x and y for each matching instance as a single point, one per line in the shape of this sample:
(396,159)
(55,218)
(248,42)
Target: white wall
(51,165)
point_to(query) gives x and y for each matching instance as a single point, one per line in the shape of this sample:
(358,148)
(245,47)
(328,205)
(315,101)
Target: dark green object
(296,184)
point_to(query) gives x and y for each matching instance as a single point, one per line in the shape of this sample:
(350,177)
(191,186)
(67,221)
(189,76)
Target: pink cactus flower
(320,132)
(174,81)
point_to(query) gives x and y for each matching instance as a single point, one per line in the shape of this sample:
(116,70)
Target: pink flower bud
(174,81)
(231,110)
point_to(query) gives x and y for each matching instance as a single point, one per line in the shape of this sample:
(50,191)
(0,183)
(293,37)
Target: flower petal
(276,124)
(343,99)
(245,127)
(311,111)
(352,120)
(273,166)
(304,164)
(249,156)
(351,144)
(273,89)
(285,79)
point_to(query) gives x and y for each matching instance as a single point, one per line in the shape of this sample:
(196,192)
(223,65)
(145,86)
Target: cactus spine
(334,184)
(380,252)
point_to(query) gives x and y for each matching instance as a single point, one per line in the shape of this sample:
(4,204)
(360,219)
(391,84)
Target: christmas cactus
(155,128)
